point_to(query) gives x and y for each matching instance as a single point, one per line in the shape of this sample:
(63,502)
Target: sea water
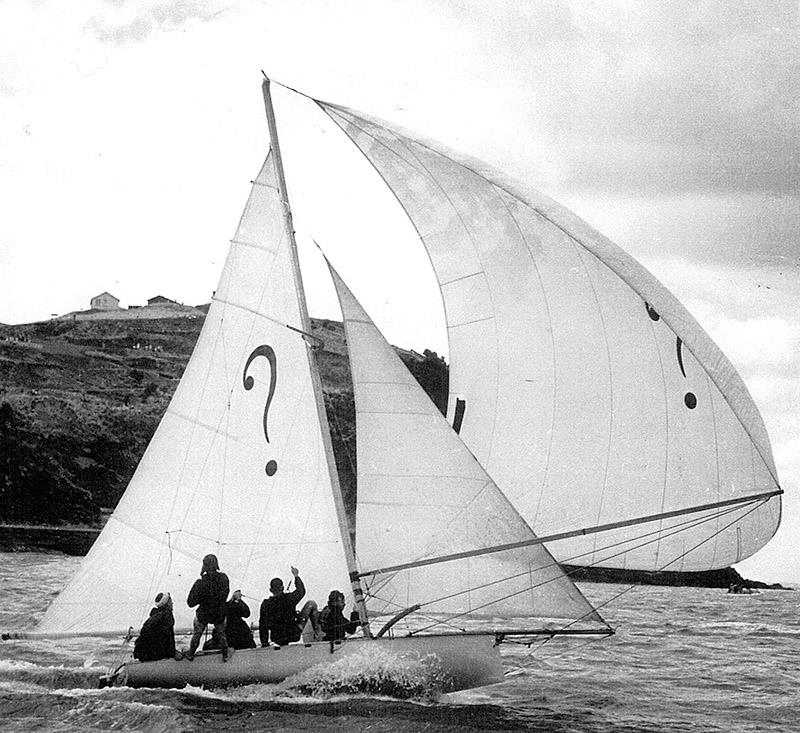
(683,659)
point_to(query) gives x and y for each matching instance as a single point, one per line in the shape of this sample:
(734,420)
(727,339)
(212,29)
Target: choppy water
(683,659)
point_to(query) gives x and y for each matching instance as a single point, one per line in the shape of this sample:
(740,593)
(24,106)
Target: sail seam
(469,323)
(265,185)
(445,283)
(383,144)
(208,426)
(253,245)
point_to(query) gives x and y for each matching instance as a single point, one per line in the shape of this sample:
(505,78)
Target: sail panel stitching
(253,245)
(469,323)
(445,283)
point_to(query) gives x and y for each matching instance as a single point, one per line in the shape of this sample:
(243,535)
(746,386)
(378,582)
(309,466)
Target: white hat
(162,599)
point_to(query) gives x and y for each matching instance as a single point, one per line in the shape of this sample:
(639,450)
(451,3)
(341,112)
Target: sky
(130,131)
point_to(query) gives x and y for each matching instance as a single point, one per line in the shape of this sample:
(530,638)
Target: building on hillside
(160,300)
(104,302)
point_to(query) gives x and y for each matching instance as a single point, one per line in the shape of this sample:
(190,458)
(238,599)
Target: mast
(341,516)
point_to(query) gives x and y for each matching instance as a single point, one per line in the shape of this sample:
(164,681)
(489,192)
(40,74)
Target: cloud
(768,341)
(122,22)
(658,97)
(733,232)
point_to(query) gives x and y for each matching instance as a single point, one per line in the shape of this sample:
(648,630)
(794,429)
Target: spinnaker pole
(338,501)
(742,500)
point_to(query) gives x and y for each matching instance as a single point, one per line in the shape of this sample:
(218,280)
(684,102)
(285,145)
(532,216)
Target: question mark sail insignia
(689,399)
(269,354)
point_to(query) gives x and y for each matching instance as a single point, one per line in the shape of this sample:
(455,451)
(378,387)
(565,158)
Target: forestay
(581,384)
(422,494)
(237,466)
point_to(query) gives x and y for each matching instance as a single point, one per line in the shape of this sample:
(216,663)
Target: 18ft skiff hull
(458,661)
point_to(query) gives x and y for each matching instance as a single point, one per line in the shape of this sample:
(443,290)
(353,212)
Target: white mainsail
(237,466)
(422,495)
(585,389)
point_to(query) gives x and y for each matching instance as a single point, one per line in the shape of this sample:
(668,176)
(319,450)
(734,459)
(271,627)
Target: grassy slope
(80,400)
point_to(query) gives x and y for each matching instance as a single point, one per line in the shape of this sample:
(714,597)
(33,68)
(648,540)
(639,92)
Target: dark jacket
(209,593)
(237,630)
(156,639)
(278,619)
(335,626)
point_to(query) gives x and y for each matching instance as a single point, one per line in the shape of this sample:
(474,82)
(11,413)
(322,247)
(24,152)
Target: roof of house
(160,299)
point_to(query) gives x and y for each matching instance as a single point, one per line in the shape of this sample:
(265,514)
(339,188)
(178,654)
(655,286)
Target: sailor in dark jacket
(209,593)
(279,621)
(334,625)
(156,638)
(237,630)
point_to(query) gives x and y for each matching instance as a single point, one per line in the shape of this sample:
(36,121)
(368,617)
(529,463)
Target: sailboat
(453,513)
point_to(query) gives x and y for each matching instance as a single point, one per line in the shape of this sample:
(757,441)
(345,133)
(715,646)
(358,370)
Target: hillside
(80,400)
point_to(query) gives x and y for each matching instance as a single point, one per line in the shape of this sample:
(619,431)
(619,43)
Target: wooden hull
(461,661)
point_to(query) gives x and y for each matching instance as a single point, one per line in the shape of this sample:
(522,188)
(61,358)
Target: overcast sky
(129,132)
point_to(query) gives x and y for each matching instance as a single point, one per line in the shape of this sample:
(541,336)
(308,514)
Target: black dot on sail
(270,468)
(651,312)
(690,400)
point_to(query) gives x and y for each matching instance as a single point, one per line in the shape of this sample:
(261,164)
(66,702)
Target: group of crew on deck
(280,622)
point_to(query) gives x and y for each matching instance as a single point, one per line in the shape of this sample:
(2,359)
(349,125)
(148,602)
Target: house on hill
(160,300)
(104,302)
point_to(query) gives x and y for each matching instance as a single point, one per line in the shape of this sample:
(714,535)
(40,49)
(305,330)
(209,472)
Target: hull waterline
(461,662)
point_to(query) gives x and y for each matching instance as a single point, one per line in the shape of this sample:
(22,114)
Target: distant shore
(42,538)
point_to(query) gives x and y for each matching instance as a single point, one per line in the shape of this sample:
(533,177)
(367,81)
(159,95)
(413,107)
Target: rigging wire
(683,526)
(661,569)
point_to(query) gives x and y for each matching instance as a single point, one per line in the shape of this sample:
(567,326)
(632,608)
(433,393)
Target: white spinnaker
(202,485)
(422,494)
(581,406)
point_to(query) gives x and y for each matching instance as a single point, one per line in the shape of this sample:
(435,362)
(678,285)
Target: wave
(371,672)
(15,672)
